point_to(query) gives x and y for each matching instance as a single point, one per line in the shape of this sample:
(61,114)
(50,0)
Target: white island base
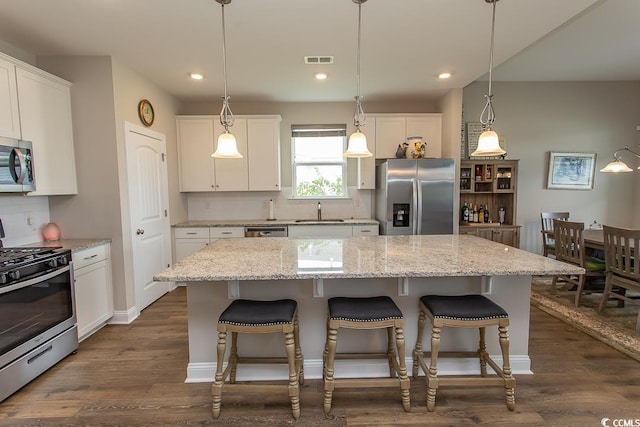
(206,300)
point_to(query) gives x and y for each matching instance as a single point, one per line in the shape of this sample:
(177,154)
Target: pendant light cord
(488,116)
(359,118)
(226,116)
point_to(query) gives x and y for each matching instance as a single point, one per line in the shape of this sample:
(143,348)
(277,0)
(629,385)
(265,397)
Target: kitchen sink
(319,220)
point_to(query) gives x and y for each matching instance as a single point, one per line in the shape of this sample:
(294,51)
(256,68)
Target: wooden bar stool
(366,313)
(259,317)
(466,311)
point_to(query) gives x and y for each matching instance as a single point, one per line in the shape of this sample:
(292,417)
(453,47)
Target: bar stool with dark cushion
(366,313)
(465,311)
(259,317)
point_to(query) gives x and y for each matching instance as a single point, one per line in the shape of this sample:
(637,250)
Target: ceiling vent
(318,60)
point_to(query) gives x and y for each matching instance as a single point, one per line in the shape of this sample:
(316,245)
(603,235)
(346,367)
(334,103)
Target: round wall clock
(145,111)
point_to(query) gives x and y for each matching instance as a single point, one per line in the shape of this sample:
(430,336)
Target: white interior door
(148,204)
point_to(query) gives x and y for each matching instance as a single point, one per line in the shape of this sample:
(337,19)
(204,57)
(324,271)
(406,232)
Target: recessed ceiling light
(320,76)
(444,75)
(196,76)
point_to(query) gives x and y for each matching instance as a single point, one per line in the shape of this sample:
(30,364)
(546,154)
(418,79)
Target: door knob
(139,231)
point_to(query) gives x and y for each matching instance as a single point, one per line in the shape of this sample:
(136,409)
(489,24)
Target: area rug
(615,326)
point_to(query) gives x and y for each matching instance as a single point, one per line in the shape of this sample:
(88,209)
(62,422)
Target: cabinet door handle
(139,231)
(89,257)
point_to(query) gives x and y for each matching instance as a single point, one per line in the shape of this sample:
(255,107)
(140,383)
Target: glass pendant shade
(227,147)
(488,145)
(616,166)
(357,146)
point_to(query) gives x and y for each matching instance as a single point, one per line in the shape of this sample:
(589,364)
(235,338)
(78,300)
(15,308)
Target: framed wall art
(571,171)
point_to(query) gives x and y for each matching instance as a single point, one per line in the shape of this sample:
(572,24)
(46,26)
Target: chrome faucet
(319,212)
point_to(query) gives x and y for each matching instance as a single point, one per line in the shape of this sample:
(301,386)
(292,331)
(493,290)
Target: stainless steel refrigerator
(415,196)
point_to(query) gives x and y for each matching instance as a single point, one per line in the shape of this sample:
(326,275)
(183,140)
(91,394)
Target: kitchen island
(313,270)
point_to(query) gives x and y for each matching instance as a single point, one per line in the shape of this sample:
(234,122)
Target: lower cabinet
(506,234)
(93,288)
(188,240)
(332,231)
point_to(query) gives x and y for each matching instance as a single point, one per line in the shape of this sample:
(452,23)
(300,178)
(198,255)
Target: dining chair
(623,265)
(570,248)
(548,244)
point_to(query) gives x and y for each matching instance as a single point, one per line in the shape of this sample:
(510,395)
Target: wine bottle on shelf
(475,213)
(481,214)
(487,215)
(465,213)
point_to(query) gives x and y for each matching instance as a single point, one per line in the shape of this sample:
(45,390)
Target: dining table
(594,239)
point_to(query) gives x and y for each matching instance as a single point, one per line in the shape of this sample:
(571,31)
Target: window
(319,167)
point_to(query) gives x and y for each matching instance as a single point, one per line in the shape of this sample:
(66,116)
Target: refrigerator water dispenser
(401,215)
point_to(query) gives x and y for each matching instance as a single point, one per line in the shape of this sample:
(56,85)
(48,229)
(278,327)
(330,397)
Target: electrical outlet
(28,218)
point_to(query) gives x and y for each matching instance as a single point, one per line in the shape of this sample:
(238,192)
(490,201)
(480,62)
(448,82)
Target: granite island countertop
(277,222)
(282,258)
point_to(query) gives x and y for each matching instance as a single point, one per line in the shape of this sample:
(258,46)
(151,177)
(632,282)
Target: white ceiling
(405,43)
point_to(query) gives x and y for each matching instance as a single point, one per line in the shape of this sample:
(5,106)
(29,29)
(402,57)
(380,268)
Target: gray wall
(536,118)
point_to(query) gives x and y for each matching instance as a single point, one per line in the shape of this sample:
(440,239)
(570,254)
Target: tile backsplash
(248,205)
(16,212)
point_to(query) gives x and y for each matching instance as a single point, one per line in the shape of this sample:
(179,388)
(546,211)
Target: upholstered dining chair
(622,264)
(569,247)
(548,244)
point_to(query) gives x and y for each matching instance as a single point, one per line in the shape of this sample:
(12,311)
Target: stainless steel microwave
(16,166)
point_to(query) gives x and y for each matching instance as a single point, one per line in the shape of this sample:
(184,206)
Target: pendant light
(618,165)
(358,141)
(488,143)
(227,147)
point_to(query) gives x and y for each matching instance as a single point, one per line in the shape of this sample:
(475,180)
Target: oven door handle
(34,281)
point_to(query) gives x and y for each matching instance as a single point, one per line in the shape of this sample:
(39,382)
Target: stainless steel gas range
(37,313)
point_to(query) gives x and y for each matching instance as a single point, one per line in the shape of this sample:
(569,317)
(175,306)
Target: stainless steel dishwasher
(266,231)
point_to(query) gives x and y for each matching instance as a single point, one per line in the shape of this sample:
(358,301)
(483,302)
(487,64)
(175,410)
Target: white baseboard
(124,317)
(204,372)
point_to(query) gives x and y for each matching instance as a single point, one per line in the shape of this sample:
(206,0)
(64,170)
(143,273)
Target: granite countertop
(280,258)
(73,244)
(277,222)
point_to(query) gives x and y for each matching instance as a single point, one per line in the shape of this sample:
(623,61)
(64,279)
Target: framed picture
(571,171)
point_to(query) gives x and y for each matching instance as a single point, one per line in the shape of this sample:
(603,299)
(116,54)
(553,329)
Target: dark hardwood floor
(134,376)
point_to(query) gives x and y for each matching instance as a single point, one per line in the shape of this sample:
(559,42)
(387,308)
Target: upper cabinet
(36,106)
(9,119)
(385,132)
(263,137)
(394,129)
(258,139)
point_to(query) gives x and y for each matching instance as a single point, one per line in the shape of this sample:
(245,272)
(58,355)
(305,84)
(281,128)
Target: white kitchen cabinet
(394,129)
(9,115)
(189,240)
(225,232)
(367,165)
(195,146)
(93,288)
(263,138)
(44,104)
(232,174)
(366,230)
(197,136)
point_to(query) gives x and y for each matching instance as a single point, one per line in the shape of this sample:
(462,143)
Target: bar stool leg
(391,356)
(509,381)
(432,376)
(482,351)
(233,357)
(219,378)
(417,351)
(402,370)
(328,372)
(299,358)
(294,391)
